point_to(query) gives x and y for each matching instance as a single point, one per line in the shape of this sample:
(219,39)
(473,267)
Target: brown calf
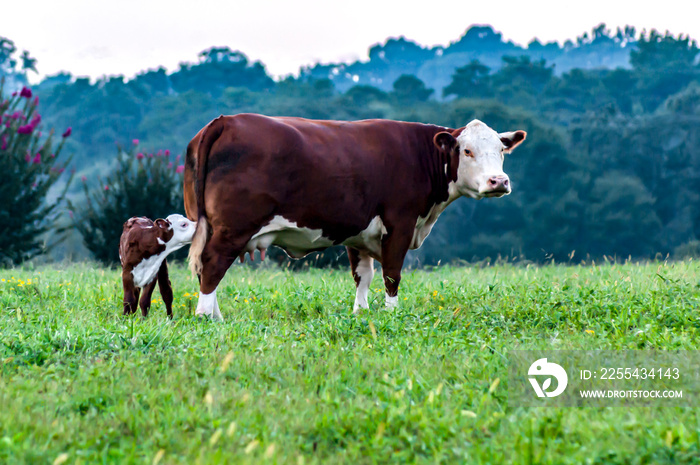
(143,248)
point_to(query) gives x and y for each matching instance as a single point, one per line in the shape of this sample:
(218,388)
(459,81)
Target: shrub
(140,185)
(31,168)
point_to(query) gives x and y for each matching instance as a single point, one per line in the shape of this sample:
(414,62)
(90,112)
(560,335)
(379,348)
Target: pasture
(292,376)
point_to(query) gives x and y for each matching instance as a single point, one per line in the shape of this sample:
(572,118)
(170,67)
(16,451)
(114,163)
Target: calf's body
(143,248)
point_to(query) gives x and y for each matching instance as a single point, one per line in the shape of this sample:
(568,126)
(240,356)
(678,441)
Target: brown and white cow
(375,186)
(143,248)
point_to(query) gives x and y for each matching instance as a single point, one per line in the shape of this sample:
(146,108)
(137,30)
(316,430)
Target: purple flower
(36,100)
(53,155)
(83,178)
(170,165)
(27,157)
(139,156)
(37,159)
(68,132)
(35,122)
(177,158)
(135,142)
(167,153)
(26,129)
(180,169)
(4,142)
(61,170)
(16,115)
(150,155)
(26,92)
(106,188)
(70,213)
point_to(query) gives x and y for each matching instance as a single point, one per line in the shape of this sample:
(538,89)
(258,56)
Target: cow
(375,186)
(143,248)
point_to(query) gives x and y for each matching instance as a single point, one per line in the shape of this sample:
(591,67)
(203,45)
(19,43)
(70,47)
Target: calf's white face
(183,231)
(480,151)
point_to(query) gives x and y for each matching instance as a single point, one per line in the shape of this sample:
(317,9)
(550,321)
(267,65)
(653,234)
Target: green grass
(292,376)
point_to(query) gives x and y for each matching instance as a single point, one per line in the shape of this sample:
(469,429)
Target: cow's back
(329,175)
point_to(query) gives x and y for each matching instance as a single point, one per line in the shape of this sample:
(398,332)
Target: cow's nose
(497,183)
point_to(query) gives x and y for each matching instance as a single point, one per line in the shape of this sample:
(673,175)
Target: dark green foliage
(219,68)
(30,168)
(470,81)
(611,164)
(140,185)
(409,89)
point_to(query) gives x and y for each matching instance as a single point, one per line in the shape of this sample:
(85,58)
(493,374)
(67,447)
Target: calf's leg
(145,301)
(131,293)
(165,288)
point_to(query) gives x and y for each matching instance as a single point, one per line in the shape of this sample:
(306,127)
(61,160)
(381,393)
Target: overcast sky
(97,38)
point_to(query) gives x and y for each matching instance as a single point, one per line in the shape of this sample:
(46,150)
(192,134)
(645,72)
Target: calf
(143,247)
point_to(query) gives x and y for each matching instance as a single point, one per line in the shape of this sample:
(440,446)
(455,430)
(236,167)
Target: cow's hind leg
(217,257)
(165,288)
(362,266)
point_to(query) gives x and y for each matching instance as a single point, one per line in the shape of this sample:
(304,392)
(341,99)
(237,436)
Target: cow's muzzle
(497,186)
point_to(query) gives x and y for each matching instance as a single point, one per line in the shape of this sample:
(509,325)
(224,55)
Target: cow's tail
(210,134)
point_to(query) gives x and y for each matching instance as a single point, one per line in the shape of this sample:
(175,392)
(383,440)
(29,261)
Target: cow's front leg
(362,266)
(394,247)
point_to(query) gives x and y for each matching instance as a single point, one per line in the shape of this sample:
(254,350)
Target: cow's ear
(163,224)
(445,141)
(512,139)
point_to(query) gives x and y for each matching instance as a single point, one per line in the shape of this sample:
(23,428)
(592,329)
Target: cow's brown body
(244,172)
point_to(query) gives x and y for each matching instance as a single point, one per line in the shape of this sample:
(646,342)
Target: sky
(96,38)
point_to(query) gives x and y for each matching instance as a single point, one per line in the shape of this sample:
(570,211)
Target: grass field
(292,376)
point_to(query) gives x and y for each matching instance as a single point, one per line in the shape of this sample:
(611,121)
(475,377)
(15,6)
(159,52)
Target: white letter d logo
(543,368)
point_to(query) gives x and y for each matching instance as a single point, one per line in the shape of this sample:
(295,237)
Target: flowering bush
(142,184)
(30,167)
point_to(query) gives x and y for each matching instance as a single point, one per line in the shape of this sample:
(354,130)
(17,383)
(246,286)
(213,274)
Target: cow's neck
(441,171)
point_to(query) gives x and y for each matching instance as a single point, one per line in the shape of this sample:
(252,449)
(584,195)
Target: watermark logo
(544,368)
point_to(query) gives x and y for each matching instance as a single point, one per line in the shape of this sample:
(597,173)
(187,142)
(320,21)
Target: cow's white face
(480,151)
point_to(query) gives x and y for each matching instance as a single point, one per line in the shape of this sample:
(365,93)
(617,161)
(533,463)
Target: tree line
(610,168)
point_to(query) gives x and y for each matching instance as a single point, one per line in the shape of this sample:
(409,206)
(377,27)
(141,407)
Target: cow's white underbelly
(299,241)
(370,239)
(296,241)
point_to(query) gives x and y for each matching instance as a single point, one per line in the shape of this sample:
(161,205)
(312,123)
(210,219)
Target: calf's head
(478,152)
(175,231)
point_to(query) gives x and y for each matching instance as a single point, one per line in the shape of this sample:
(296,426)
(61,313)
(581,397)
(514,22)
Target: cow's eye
(467,152)
(183,225)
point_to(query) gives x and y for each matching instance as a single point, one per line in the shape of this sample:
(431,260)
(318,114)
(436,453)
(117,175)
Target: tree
(409,89)
(141,184)
(470,81)
(30,169)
